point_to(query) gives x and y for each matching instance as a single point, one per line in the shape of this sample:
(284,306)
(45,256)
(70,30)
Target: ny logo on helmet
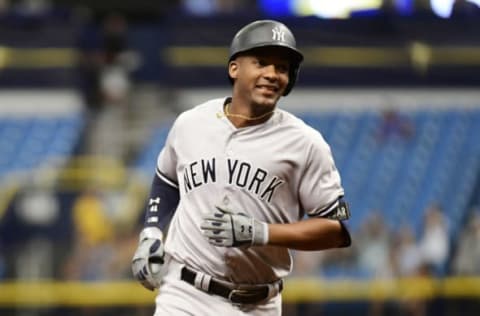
(278,34)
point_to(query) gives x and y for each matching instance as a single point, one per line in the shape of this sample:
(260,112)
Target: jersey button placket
(229,153)
(229,148)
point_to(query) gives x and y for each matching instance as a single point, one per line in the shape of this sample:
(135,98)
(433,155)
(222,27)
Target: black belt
(252,295)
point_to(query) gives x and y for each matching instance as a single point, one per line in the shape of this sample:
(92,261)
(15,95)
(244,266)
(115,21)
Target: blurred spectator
(408,263)
(38,207)
(467,258)
(90,217)
(374,244)
(37,210)
(107,63)
(406,253)
(115,81)
(394,126)
(101,250)
(434,242)
(92,249)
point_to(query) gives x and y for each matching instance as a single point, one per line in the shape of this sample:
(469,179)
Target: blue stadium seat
(29,142)
(146,163)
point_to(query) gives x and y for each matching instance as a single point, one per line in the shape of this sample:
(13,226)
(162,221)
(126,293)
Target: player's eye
(279,67)
(261,62)
(282,68)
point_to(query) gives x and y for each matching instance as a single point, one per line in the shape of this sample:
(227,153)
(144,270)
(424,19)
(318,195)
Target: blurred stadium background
(88,90)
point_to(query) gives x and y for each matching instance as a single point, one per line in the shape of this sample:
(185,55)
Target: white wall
(345,99)
(26,102)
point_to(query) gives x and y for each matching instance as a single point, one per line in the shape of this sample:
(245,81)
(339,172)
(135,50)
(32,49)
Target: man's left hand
(228,229)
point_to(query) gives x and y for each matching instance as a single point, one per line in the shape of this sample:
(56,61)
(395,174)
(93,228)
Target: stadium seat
(27,143)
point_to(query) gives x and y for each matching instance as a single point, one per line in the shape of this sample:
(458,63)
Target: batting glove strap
(151,233)
(260,233)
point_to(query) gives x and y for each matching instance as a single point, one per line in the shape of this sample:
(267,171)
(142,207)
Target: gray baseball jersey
(276,172)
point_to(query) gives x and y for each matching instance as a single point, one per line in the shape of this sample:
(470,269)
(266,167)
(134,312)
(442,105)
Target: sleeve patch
(341,212)
(338,210)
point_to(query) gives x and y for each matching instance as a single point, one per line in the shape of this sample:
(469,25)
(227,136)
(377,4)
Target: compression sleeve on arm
(163,201)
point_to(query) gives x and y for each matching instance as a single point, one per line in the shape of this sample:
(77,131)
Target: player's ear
(233,69)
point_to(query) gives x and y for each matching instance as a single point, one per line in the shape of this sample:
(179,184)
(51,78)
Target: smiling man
(239,183)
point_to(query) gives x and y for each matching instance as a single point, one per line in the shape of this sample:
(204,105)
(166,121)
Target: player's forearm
(311,234)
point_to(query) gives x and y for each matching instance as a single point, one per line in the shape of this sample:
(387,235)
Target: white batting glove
(147,262)
(228,229)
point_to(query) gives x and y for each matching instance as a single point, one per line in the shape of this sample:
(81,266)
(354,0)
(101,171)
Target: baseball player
(239,183)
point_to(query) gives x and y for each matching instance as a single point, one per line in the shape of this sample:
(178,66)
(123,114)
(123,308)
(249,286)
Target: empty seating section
(147,161)
(402,176)
(30,142)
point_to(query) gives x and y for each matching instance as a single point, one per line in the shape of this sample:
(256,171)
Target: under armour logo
(278,34)
(153,204)
(154,201)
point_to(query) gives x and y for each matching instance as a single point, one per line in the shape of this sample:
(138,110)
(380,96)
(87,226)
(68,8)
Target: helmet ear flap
(292,78)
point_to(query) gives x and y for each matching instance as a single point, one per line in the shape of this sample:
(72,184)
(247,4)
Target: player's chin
(268,99)
(267,103)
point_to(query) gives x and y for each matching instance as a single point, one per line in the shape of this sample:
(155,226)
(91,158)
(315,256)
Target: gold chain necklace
(247,118)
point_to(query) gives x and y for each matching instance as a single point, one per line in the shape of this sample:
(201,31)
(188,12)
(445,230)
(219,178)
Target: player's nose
(271,72)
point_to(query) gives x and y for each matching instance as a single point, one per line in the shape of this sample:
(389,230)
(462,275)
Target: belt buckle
(238,292)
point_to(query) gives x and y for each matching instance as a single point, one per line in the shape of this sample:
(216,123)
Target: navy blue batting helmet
(266,33)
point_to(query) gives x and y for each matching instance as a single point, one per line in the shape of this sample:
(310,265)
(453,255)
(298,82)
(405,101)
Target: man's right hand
(147,262)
